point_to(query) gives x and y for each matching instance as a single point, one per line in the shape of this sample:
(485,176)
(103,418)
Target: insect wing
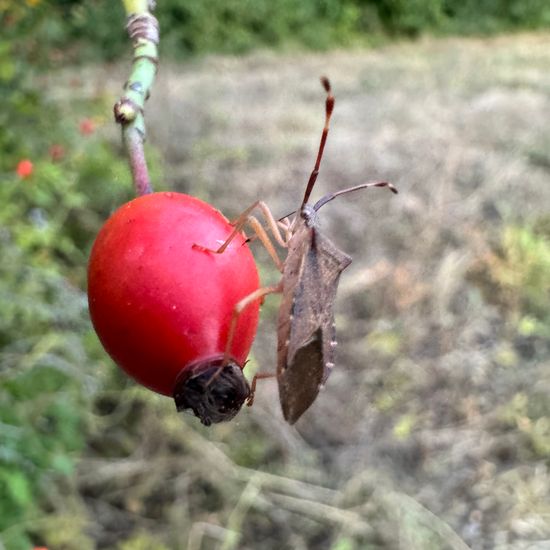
(332,261)
(300,383)
(306,328)
(298,249)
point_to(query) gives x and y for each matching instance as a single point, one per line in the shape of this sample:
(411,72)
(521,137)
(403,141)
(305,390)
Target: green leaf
(16,486)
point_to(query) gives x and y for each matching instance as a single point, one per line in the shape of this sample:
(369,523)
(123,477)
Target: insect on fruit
(163,309)
(310,273)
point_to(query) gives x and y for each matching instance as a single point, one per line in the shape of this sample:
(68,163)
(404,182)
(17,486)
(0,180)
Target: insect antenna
(327,198)
(329,107)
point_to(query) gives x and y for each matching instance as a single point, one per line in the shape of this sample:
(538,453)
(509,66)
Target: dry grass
(420,439)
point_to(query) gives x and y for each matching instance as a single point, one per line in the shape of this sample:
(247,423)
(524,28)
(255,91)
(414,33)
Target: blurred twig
(411,517)
(236,518)
(324,513)
(199,529)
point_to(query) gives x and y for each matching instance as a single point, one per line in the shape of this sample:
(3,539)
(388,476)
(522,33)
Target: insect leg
(261,376)
(266,241)
(238,309)
(286,226)
(238,223)
(273,224)
(246,218)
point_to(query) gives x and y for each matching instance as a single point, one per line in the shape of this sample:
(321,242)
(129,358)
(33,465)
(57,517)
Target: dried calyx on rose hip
(215,393)
(163,308)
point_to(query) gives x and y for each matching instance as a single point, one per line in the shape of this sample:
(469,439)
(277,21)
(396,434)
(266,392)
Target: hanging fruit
(162,307)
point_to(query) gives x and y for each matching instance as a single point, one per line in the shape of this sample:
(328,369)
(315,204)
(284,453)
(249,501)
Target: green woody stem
(143,30)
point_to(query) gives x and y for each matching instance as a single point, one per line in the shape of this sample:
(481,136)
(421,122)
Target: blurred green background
(434,432)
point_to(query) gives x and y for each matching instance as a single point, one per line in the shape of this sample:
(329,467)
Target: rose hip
(162,308)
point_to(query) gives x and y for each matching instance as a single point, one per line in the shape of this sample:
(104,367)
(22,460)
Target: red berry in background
(57,152)
(24,168)
(162,308)
(86,127)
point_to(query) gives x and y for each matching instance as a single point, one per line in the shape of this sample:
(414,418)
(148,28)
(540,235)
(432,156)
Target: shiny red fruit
(162,307)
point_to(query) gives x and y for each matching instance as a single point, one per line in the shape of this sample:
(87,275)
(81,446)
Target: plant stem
(143,30)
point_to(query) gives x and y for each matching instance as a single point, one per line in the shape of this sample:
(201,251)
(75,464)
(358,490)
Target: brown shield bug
(306,335)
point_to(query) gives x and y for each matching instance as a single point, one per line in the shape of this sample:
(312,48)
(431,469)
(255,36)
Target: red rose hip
(162,308)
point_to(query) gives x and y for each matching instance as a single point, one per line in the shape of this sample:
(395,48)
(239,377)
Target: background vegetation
(445,319)
(90,30)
